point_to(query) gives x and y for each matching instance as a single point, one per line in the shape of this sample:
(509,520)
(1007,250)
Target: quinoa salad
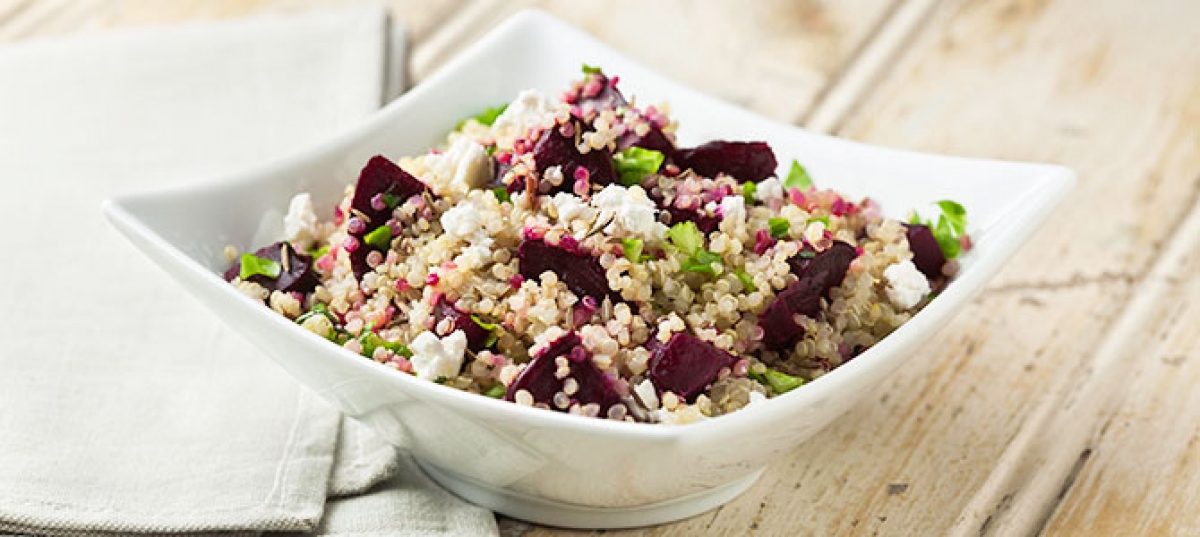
(564,252)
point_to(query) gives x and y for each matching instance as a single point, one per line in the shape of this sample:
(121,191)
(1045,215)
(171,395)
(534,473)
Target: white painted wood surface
(1063,399)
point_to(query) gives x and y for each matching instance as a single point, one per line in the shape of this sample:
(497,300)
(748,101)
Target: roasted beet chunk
(818,273)
(829,266)
(381,186)
(654,139)
(686,365)
(554,149)
(780,329)
(295,275)
(477,336)
(598,93)
(540,380)
(706,223)
(927,255)
(582,273)
(744,161)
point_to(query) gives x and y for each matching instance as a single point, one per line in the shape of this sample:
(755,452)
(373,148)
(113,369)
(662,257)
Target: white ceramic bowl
(550,467)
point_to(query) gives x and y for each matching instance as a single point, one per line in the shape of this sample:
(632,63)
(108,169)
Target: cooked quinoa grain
(565,254)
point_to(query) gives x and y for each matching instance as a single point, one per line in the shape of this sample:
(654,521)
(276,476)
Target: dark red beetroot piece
(379,178)
(744,161)
(539,379)
(477,336)
(653,139)
(686,365)
(295,275)
(818,275)
(706,223)
(582,273)
(554,149)
(927,255)
(598,93)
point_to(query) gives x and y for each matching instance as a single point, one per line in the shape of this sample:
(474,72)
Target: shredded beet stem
(927,255)
(581,272)
(818,275)
(744,161)
(379,177)
(540,380)
(686,365)
(296,275)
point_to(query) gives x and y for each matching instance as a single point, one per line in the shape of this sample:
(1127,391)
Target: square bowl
(551,467)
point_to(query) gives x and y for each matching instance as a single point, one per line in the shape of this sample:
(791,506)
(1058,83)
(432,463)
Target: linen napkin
(125,407)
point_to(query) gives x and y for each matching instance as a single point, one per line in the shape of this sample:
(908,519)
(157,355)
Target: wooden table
(1064,400)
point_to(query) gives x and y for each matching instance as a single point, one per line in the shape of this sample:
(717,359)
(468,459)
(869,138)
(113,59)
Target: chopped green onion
(253,265)
(635,163)
(746,280)
(591,70)
(496,392)
(319,252)
(381,238)
(501,194)
(780,383)
(798,177)
(686,237)
(749,188)
(482,324)
(633,249)
(779,227)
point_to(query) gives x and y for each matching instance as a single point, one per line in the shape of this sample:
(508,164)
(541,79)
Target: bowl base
(567,515)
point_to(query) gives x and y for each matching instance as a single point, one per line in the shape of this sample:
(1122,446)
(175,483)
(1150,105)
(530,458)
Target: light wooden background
(1066,399)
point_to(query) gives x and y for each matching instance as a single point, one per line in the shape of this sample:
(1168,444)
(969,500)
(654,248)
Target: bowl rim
(1054,182)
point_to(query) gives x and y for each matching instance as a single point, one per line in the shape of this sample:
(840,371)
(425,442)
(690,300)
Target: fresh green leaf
(490,150)
(380,238)
(482,324)
(592,70)
(915,218)
(397,348)
(686,237)
(779,227)
(496,392)
(635,163)
(749,188)
(943,233)
(955,214)
(703,261)
(821,219)
(746,280)
(633,249)
(317,309)
(798,177)
(391,200)
(501,194)
(486,117)
(440,380)
(253,265)
(780,383)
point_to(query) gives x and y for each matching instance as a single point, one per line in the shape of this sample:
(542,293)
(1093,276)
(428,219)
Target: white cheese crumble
(570,207)
(435,358)
(301,226)
(463,166)
(529,110)
(906,285)
(769,189)
(467,222)
(733,212)
(633,213)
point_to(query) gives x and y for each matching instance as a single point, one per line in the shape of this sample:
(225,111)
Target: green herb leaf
(391,200)
(955,214)
(821,219)
(780,383)
(317,309)
(703,261)
(686,237)
(807,254)
(633,249)
(749,188)
(440,380)
(482,324)
(253,265)
(592,70)
(380,238)
(779,227)
(944,234)
(501,194)
(635,163)
(319,252)
(951,226)
(486,117)
(490,150)
(746,280)
(496,392)
(798,177)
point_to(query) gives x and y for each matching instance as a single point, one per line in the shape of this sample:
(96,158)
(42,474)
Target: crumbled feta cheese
(570,207)
(462,167)
(769,189)
(733,211)
(467,222)
(529,110)
(756,397)
(435,358)
(301,226)
(633,213)
(906,285)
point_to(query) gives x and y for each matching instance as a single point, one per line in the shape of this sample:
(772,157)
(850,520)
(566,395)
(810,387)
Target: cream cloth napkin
(125,407)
